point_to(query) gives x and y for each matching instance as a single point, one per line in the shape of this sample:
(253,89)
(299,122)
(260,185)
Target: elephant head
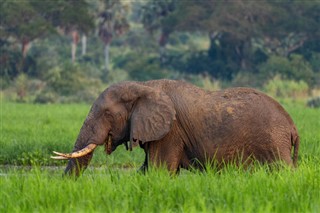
(125,112)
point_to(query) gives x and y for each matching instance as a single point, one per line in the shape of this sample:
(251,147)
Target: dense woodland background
(70,50)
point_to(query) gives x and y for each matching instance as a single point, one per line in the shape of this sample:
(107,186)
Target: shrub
(292,68)
(9,61)
(21,84)
(46,96)
(142,67)
(280,88)
(247,79)
(210,84)
(117,75)
(74,83)
(4,83)
(24,89)
(314,102)
(200,63)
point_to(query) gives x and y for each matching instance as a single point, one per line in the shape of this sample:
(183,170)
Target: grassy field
(30,132)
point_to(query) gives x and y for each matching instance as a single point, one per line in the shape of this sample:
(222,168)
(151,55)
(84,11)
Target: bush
(24,89)
(314,102)
(10,62)
(292,68)
(46,96)
(142,67)
(286,88)
(210,84)
(74,83)
(4,83)
(200,63)
(117,75)
(247,79)
(21,84)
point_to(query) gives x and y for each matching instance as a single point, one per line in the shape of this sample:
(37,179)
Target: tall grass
(33,130)
(29,134)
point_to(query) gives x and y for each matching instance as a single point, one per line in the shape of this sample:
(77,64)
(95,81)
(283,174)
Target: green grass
(30,132)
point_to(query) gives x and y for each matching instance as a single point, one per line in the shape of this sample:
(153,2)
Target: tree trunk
(25,46)
(73,51)
(75,40)
(84,44)
(162,44)
(106,57)
(213,51)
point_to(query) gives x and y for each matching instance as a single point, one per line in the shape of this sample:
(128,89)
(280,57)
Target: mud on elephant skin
(177,124)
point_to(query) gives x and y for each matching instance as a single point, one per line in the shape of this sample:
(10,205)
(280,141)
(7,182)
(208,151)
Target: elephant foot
(143,169)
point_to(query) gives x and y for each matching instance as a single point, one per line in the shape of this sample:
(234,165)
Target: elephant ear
(152,116)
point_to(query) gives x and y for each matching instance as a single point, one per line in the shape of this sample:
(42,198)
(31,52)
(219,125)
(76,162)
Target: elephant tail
(295,141)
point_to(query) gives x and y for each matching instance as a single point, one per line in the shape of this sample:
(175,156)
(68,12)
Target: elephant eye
(107,113)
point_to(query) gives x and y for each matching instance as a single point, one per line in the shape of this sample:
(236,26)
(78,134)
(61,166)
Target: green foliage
(247,79)
(24,27)
(211,85)
(40,18)
(154,12)
(75,81)
(200,63)
(295,68)
(36,20)
(21,86)
(34,158)
(280,88)
(117,75)
(142,67)
(8,62)
(196,38)
(24,89)
(315,61)
(46,97)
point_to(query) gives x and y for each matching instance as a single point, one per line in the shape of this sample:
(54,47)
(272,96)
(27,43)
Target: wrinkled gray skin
(179,125)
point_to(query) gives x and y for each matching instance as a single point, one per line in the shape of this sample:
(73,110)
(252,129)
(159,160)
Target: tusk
(59,158)
(86,150)
(109,145)
(59,153)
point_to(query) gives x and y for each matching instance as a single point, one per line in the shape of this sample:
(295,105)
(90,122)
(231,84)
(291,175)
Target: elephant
(179,125)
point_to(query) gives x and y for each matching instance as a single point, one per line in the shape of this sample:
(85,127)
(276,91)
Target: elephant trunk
(78,159)
(77,165)
(93,132)
(82,152)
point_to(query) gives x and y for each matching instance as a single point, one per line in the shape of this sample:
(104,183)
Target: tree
(153,14)
(71,17)
(112,21)
(276,27)
(37,19)
(23,28)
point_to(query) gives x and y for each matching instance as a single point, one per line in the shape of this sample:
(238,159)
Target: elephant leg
(167,154)
(285,157)
(144,166)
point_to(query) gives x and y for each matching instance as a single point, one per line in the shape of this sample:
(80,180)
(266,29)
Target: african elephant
(180,126)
